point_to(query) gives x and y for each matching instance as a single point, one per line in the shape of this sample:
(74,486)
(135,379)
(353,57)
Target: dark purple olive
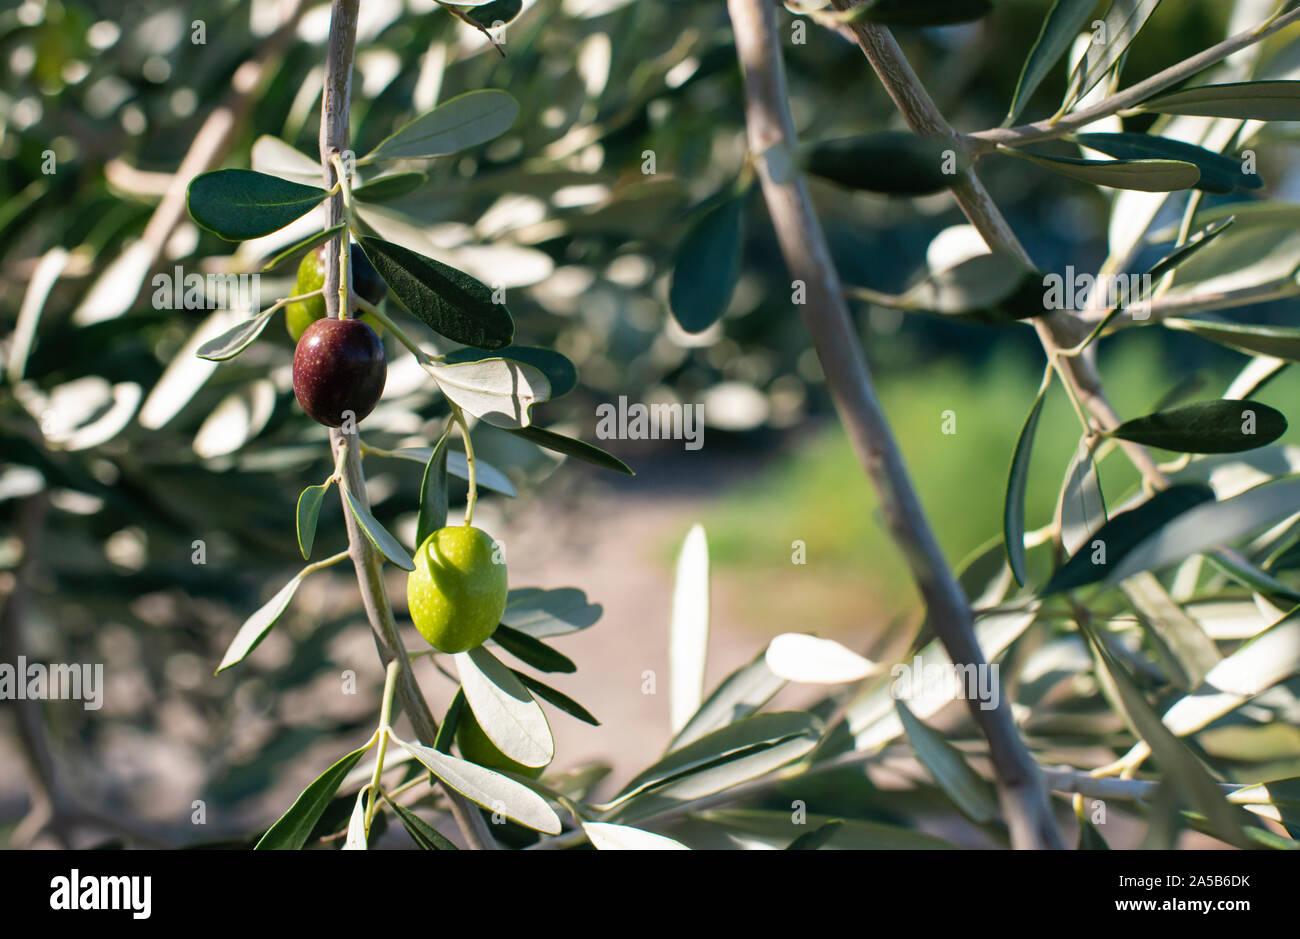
(338,367)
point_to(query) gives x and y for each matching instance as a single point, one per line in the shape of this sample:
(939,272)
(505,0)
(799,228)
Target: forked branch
(1024,799)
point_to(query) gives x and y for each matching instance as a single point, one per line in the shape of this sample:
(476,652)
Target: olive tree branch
(1058,330)
(986,140)
(803,244)
(367,561)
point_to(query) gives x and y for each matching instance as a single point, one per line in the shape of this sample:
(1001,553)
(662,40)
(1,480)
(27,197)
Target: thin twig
(368,562)
(987,140)
(803,243)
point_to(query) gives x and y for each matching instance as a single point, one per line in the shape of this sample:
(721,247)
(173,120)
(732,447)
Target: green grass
(819,494)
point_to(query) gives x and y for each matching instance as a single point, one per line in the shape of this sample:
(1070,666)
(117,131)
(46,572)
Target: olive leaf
(425,836)
(259,624)
(291,830)
(1219,173)
(890,162)
(378,535)
(1282,342)
(1252,101)
(464,121)
(1221,426)
(532,651)
(1013,513)
(559,371)
(498,391)
(234,340)
(494,791)
(557,698)
(302,246)
(448,301)
(1146,175)
(948,766)
(509,716)
(1063,22)
(308,512)
(706,265)
(391,186)
(570,447)
(240,204)
(1119,28)
(1122,533)
(433,494)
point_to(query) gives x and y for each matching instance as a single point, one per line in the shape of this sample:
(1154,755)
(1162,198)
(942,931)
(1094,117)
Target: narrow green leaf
(733,742)
(1082,505)
(495,13)
(258,625)
(308,512)
(1122,22)
(688,629)
(1110,544)
(425,836)
(1142,175)
(706,265)
(740,694)
(1219,173)
(607,837)
(296,250)
(1182,252)
(895,163)
(816,838)
(448,301)
(498,391)
(505,710)
(384,543)
(949,768)
(543,613)
(1181,767)
(570,447)
(494,791)
(392,186)
(447,729)
(1220,426)
(433,494)
(532,651)
(240,204)
(1063,23)
(1282,342)
(235,340)
(559,371)
(488,476)
(290,832)
(1013,513)
(1212,525)
(556,698)
(1090,838)
(465,121)
(1191,652)
(1251,101)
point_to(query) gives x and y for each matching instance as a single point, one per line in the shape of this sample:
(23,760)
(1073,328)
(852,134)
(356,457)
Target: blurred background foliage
(111,474)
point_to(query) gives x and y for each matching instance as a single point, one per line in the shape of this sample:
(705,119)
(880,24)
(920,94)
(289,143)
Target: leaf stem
(385,719)
(459,417)
(420,355)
